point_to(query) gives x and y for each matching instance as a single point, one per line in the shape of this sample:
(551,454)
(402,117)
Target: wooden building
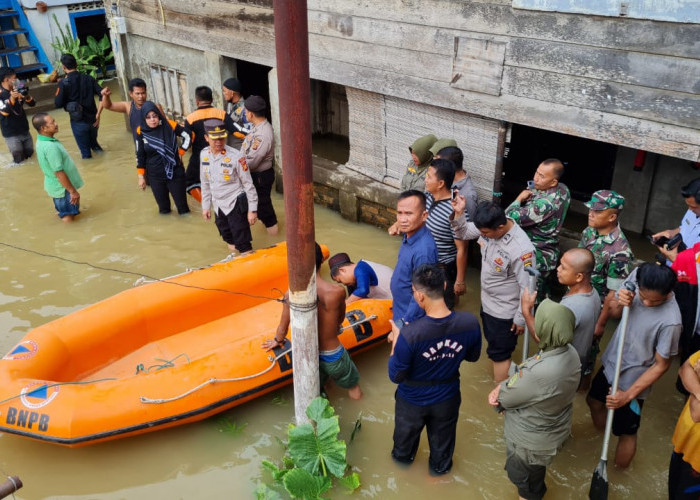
(513,81)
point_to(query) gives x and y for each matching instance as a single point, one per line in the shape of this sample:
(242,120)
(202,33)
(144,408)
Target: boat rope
(166,364)
(57,384)
(214,380)
(140,275)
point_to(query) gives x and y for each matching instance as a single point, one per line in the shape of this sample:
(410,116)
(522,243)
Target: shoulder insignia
(513,379)
(244,164)
(256,143)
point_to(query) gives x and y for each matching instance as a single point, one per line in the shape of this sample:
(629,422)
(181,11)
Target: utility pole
(294,87)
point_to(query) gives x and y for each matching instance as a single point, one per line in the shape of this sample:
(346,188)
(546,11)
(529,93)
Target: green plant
(66,44)
(314,456)
(101,52)
(231,427)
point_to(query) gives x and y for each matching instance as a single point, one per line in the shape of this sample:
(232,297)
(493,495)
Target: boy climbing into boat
(334,360)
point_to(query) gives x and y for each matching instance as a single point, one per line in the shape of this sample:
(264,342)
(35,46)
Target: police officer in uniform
(259,150)
(506,252)
(227,188)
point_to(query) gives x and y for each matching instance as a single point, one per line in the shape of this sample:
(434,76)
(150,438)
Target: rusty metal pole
(12,484)
(294,87)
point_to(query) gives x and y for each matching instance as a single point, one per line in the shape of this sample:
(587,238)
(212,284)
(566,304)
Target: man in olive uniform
(613,258)
(259,150)
(414,178)
(540,211)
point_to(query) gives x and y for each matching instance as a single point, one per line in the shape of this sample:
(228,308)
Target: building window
(169,90)
(679,11)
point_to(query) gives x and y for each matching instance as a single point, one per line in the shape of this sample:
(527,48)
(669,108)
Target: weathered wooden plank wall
(624,81)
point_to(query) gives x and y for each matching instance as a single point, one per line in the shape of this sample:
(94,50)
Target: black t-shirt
(13,120)
(77,87)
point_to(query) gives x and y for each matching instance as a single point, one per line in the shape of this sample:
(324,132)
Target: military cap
(442,144)
(337,261)
(604,199)
(233,84)
(256,104)
(215,128)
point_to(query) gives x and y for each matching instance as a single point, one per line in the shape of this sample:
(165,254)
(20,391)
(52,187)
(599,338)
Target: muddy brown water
(120,228)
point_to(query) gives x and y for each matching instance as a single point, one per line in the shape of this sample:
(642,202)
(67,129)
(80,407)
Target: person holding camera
(14,94)
(76,94)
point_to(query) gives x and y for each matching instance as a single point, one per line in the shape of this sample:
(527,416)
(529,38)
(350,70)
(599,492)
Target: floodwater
(120,228)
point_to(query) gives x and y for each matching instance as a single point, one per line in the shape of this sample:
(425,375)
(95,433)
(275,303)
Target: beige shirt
(224,177)
(258,147)
(503,263)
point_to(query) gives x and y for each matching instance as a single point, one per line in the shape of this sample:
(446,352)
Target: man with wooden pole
(292,49)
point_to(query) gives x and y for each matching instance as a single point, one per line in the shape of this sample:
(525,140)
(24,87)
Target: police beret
(256,104)
(233,84)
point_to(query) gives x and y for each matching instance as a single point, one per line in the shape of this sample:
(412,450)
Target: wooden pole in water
(294,87)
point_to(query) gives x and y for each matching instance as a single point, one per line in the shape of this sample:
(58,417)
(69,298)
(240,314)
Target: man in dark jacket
(425,359)
(76,94)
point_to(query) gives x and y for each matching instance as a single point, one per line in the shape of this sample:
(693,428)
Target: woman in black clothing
(158,158)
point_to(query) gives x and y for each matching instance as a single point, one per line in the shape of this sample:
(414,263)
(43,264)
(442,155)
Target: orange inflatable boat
(162,354)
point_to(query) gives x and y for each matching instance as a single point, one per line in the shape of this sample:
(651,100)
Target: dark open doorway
(589,164)
(254,80)
(330,121)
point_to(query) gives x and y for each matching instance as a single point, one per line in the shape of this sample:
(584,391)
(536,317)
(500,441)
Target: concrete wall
(652,195)
(46,30)
(200,68)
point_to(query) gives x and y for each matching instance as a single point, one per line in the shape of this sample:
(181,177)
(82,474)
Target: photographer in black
(13,121)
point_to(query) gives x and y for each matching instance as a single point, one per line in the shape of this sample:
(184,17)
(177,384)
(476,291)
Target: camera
(22,87)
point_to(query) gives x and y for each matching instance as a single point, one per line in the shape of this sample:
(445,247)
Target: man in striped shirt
(452,252)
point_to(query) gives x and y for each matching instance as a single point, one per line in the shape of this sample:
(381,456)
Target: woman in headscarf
(158,158)
(538,401)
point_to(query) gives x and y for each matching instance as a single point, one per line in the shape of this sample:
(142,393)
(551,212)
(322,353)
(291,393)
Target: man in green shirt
(61,177)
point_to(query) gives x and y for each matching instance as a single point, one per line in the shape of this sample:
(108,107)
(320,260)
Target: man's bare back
(331,312)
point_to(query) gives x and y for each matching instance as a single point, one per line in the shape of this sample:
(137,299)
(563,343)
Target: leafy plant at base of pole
(314,456)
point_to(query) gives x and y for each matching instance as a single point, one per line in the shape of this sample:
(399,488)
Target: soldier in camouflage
(613,258)
(540,211)
(603,237)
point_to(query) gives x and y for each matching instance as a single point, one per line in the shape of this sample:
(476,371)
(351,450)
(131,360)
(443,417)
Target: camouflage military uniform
(542,217)
(613,258)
